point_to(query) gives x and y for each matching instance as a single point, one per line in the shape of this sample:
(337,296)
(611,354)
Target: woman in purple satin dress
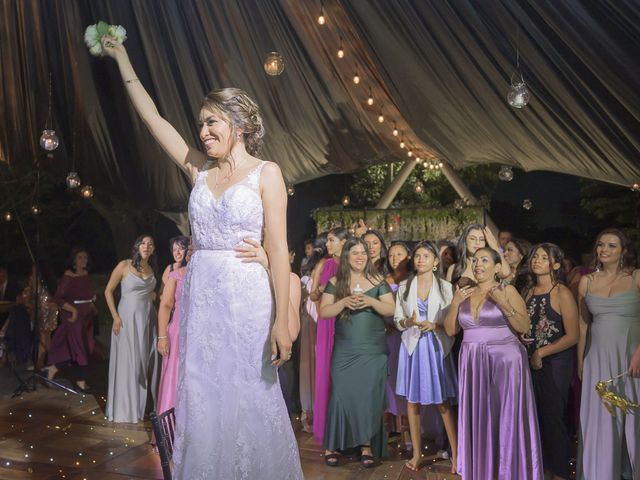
(324,333)
(498,435)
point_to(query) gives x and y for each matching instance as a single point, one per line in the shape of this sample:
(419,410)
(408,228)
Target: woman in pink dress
(169,327)
(325,332)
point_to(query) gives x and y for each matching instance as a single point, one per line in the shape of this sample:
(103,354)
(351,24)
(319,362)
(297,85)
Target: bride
(231,420)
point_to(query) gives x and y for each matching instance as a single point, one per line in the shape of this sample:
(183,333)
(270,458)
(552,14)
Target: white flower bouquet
(94,33)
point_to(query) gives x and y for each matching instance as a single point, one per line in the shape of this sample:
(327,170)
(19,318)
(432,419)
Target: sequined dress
(231,419)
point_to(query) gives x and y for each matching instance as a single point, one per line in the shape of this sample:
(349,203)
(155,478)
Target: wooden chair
(164,427)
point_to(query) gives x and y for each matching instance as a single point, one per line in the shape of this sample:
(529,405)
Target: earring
(435,268)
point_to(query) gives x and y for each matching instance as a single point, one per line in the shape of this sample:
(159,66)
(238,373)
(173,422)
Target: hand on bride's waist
(250,251)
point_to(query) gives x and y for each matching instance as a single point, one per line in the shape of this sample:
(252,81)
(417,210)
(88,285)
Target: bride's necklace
(226,178)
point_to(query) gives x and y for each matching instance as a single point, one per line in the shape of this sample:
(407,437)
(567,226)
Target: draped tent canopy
(438,70)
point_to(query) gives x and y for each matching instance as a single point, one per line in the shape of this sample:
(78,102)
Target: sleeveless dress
(551,384)
(231,419)
(609,446)
(358,380)
(426,376)
(396,404)
(325,331)
(169,376)
(307,368)
(132,362)
(497,422)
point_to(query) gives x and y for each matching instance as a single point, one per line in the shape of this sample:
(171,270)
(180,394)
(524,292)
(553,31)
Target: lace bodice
(222,223)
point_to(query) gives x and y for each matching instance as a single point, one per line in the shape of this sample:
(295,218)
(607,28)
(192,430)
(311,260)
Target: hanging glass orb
(346,201)
(506,173)
(418,187)
(35,209)
(73,180)
(458,204)
(518,96)
(49,140)
(8,216)
(527,204)
(635,187)
(290,190)
(86,191)
(274,64)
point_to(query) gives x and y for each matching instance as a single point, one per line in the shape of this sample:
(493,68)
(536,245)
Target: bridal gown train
(231,419)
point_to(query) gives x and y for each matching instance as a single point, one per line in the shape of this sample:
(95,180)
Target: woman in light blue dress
(426,373)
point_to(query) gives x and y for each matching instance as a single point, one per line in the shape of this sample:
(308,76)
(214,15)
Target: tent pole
(395,186)
(463,191)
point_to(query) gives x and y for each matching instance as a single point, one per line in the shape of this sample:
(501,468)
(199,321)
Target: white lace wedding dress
(231,419)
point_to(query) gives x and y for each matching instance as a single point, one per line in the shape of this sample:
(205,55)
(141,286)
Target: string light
(341,49)
(370,99)
(321,19)
(410,153)
(418,159)
(86,191)
(35,209)
(381,117)
(356,78)
(346,201)
(7,216)
(402,143)
(418,187)
(395,130)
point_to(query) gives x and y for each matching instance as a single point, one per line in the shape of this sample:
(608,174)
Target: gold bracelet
(131,80)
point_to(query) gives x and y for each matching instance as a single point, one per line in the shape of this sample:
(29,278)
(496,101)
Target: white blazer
(436,312)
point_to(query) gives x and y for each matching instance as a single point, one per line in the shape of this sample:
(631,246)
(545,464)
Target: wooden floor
(50,434)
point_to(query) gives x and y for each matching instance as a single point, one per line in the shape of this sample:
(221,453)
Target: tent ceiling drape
(440,68)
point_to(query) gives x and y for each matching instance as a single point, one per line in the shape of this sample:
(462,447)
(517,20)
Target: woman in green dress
(359,297)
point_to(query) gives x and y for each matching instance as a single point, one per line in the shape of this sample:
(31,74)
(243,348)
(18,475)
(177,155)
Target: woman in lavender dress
(498,435)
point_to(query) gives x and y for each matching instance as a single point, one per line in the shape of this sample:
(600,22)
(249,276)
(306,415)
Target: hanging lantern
(35,209)
(73,180)
(86,191)
(290,190)
(49,140)
(527,204)
(518,96)
(346,201)
(506,173)
(274,64)
(458,204)
(8,216)
(418,187)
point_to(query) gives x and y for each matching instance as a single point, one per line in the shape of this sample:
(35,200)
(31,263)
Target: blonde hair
(240,112)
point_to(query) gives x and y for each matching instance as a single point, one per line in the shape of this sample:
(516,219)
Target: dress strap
(253,179)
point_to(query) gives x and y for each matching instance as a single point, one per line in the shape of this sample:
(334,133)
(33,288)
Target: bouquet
(94,33)
(612,400)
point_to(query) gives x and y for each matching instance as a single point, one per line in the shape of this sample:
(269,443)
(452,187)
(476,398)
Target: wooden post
(395,186)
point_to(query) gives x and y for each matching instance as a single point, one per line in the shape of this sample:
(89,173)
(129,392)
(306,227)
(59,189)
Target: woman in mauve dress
(72,341)
(498,435)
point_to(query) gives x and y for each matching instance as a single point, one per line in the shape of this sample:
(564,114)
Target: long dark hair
(402,271)
(343,276)
(381,263)
(183,242)
(555,255)
(71,261)
(463,254)
(426,245)
(628,255)
(136,258)
(319,252)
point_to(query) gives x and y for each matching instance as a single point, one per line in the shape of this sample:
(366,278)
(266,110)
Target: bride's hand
(112,48)
(280,343)
(252,252)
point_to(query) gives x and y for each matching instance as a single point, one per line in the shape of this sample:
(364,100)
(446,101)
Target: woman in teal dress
(359,297)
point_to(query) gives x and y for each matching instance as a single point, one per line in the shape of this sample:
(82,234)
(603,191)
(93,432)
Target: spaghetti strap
(589,278)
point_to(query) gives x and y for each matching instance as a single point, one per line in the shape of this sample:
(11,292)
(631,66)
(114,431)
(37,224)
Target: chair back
(164,427)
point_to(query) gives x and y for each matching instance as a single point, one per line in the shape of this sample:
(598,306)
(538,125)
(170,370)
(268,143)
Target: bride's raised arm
(188,158)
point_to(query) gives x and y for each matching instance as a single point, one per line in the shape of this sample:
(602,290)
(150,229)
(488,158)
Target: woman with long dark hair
(72,341)
(515,254)
(552,335)
(377,250)
(169,323)
(359,297)
(336,239)
(132,360)
(426,372)
(498,436)
(609,304)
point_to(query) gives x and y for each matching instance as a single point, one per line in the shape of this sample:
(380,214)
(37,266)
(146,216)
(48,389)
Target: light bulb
(370,100)
(341,52)
(401,143)
(35,209)
(356,78)
(290,190)
(380,118)
(274,64)
(7,216)
(410,153)
(418,159)
(321,19)
(440,164)
(418,187)
(346,201)
(86,191)
(49,140)
(395,132)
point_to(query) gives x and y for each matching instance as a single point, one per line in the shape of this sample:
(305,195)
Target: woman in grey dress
(132,362)
(609,301)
